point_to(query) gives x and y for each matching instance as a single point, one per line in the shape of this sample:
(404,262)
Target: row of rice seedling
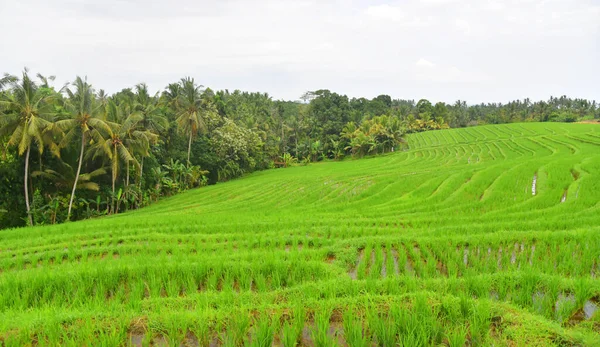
(419,319)
(82,284)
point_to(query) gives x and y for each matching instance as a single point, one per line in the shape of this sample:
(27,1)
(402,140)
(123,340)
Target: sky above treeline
(442,50)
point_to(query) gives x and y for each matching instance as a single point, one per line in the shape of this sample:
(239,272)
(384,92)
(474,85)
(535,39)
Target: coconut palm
(28,114)
(64,178)
(122,141)
(85,122)
(170,96)
(152,118)
(192,111)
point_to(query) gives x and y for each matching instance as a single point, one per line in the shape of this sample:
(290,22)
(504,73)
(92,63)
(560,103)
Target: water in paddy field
(589,309)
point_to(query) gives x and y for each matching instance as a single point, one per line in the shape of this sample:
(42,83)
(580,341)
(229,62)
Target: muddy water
(353,272)
(590,308)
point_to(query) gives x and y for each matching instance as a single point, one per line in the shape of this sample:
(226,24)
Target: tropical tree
(192,111)
(85,121)
(152,118)
(28,114)
(177,169)
(123,139)
(159,176)
(288,160)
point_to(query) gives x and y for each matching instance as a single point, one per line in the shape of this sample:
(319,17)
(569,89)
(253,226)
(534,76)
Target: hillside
(483,235)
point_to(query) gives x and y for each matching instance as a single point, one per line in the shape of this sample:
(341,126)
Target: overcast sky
(442,50)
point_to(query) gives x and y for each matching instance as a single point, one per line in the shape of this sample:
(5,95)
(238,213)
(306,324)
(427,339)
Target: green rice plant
(320,331)
(431,262)
(391,265)
(292,330)
(236,330)
(212,281)
(450,309)
(363,265)
(176,328)
(377,265)
(264,331)
(381,327)
(228,280)
(465,306)
(354,332)
(479,323)
(113,335)
(584,290)
(419,326)
(245,280)
(147,339)
(289,336)
(201,329)
(260,282)
(402,259)
(457,336)
(565,305)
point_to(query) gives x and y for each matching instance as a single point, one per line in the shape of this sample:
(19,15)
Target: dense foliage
(75,152)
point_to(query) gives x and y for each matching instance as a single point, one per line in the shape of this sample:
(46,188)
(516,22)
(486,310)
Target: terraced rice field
(479,236)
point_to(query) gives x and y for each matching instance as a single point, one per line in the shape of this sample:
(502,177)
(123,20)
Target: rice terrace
(478,236)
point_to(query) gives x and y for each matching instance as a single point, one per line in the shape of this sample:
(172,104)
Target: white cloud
(424,63)
(386,11)
(438,2)
(427,71)
(475,50)
(463,25)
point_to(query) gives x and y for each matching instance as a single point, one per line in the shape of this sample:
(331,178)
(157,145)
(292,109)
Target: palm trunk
(127,180)
(283,140)
(141,174)
(76,176)
(189,148)
(27,187)
(297,156)
(112,209)
(114,178)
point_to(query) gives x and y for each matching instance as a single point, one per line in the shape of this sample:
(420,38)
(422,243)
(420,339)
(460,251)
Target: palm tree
(85,122)
(63,177)
(28,114)
(170,96)
(152,118)
(122,140)
(192,110)
(159,177)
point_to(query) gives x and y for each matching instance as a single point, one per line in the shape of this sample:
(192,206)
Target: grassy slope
(451,222)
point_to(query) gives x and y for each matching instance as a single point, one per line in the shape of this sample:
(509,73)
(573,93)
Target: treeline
(75,152)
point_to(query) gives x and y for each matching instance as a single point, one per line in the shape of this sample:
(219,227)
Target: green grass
(442,244)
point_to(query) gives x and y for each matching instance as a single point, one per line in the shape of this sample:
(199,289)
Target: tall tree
(29,112)
(121,141)
(85,122)
(152,117)
(191,111)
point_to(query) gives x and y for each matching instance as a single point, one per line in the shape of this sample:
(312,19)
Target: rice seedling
(292,329)
(381,326)
(320,332)
(354,332)
(264,331)
(457,336)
